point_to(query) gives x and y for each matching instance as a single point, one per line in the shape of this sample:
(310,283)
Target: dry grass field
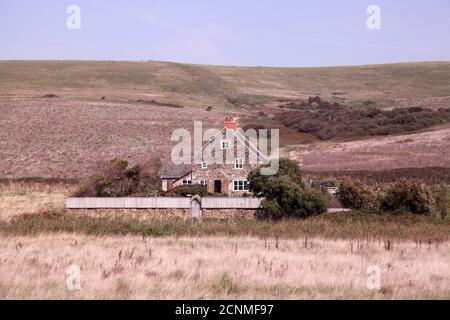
(67,139)
(125,267)
(201,85)
(20,198)
(419,150)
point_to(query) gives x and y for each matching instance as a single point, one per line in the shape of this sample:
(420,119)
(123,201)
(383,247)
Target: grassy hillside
(200,86)
(97,116)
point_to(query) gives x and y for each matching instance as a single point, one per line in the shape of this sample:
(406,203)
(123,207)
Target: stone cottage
(235,154)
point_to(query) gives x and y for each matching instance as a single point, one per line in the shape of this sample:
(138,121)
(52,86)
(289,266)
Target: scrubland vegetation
(431,176)
(401,197)
(117,178)
(341,122)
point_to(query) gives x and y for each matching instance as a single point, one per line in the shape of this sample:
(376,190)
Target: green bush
(189,190)
(354,195)
(312,202)
(284,193)
(258,183)
(271,208)
(118,179)
(407,196)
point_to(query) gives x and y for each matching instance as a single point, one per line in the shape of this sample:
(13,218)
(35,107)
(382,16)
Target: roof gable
(238,138)
(172,171)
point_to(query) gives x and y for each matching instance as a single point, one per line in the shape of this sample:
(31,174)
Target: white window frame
(225,144)
(187,182)
(239,163)
(204,165)
(240,186)
(203,182)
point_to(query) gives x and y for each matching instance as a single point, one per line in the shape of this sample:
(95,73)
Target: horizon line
(223,65)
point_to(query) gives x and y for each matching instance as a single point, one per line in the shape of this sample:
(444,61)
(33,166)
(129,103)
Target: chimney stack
(230,123)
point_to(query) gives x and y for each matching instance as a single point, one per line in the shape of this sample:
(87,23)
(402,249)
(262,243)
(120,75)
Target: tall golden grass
(18,198)
(130,267)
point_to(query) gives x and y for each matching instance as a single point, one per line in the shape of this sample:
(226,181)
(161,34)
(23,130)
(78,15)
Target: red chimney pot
(230,123)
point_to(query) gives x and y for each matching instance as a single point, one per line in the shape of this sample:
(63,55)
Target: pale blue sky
(253,32)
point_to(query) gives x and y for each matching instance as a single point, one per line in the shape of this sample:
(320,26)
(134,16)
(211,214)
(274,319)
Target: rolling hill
(61,118)
(200,85)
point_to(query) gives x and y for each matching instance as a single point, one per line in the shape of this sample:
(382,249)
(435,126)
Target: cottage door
(217,186)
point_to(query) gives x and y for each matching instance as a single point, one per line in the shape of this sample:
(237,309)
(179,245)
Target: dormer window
(225,144)
(204,165)
(238,163)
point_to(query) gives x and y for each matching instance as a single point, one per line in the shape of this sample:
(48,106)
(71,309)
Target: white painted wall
(128,203)
(161,203)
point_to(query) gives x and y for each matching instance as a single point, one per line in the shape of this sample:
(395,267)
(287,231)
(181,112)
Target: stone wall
(165,207)
(164,213)
(133,213)
(229,213)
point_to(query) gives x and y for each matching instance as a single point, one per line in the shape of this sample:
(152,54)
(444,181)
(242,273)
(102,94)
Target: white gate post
(196,207)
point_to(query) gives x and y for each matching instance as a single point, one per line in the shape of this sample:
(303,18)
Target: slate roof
(172,171)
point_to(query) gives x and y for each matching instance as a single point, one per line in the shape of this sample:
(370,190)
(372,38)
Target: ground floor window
(240,185)
(187,182)
(203,182)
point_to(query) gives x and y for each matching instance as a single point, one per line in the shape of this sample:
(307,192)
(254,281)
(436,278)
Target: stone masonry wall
(164,213)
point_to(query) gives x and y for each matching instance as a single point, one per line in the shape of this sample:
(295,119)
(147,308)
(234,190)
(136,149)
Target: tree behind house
(119,179)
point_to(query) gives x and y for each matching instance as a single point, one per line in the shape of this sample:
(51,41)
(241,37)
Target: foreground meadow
(132,255)
(131,267)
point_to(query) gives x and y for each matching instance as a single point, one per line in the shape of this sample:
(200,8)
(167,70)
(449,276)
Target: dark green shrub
(331,121)
(50,95)
(271,208)
(284,193)
(407,196)
(354,195)
(312,201)
(259,183)
(189,190)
